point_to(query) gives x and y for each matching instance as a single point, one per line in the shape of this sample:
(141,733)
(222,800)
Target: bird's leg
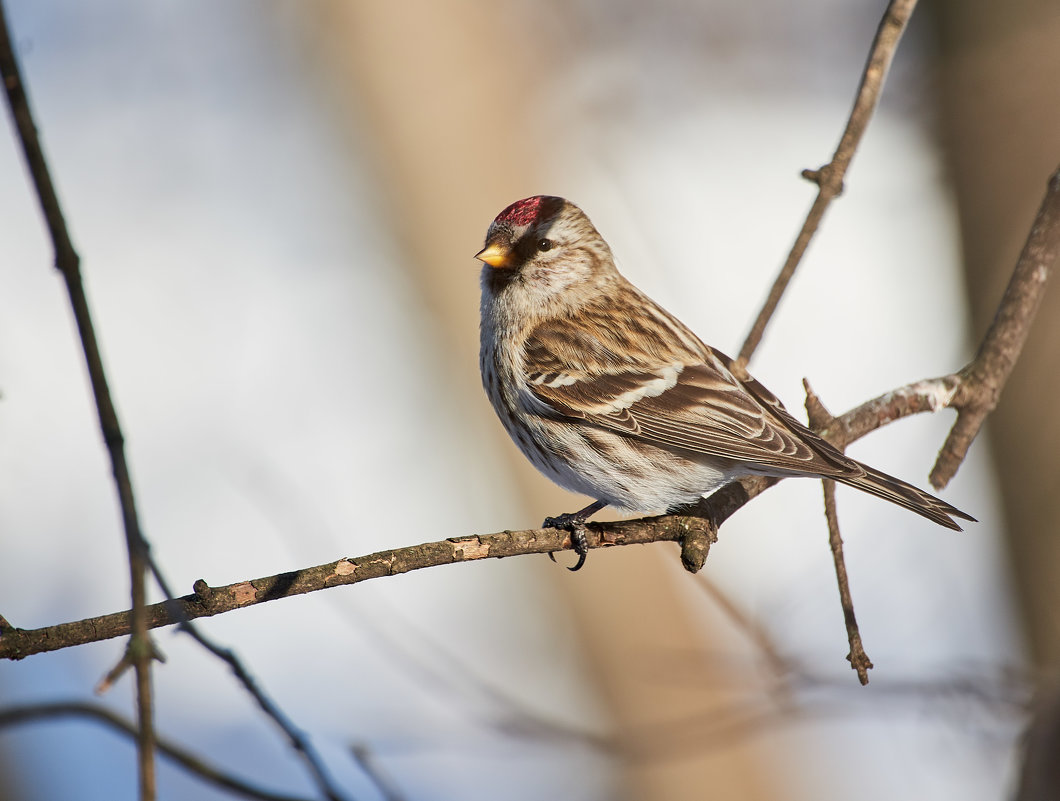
(575,524)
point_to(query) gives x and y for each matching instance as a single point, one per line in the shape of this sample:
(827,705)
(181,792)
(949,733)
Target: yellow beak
(495,255)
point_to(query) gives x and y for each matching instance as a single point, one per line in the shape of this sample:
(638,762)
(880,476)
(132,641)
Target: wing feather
(671,394)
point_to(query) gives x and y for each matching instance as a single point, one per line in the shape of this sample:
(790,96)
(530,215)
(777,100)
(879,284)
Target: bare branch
(366,760)
(984,378)
(821,418)
(927,395)
(976,389)
(299,741)
(698,527)
(68,263)
(695,531)
(857,657)
(829,178)
(122,665)
(207,601)
(15,715)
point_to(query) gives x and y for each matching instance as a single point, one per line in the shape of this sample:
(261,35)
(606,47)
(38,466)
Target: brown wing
(654,380)
(651,378)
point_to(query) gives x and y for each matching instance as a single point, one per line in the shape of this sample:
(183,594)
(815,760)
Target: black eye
(544,244)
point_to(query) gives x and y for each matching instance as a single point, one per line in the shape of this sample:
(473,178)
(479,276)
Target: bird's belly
(627,473)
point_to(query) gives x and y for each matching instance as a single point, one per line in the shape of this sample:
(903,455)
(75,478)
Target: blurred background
(277,205)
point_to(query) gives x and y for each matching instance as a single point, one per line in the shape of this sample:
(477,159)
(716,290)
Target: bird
(611,396)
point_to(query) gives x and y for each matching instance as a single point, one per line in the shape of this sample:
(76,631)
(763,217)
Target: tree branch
(695,530)
(30,713)
(207,601)
(298,740)
(829,178)
(820,418)
(69,264)
(367,762)
(983,379)
(975,387)
(974,391)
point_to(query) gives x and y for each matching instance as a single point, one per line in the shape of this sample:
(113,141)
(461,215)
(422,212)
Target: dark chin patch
(497,279)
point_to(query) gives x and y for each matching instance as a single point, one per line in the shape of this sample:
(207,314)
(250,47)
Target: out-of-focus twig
(68,264)
(1004,693)
(781,667)
(30,713)
(364,757)
(829,178)
(299,741)
(140,650)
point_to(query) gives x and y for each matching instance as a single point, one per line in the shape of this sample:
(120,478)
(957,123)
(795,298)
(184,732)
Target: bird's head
(545,244)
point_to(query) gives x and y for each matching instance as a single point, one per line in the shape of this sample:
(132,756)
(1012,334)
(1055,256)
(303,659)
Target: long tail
(897,491)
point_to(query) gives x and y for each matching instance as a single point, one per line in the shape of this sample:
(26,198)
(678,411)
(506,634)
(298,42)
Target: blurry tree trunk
(441,94)
(999,95)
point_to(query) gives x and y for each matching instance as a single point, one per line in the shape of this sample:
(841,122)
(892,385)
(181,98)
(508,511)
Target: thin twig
(140,650)
(30,713)
(123,665)
(857,657)
(68,263)
(723,725)
(299,741)
(829,178)
(366,760)
(975,389)
(454,675)
(926,395)
(780,666)
(820,418)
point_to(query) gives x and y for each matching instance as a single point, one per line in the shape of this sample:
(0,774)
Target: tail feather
(906,495)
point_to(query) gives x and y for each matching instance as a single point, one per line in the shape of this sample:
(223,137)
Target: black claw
(580,543)
(575,524)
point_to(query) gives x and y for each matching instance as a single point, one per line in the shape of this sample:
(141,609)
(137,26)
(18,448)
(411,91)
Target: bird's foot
(575,524)
(579,541)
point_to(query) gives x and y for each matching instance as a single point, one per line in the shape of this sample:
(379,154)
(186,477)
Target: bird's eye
(544,244)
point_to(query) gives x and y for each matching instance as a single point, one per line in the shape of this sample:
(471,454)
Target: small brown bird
(611,396)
